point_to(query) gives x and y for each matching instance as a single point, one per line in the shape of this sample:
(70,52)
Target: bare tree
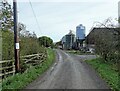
(107,41)
(6,16)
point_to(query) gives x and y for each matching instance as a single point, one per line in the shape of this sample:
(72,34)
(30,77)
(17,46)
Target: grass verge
(107,72)
(19,81)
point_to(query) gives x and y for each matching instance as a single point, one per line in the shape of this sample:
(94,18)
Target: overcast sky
(57,17)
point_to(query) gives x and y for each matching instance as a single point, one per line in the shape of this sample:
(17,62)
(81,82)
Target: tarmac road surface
(69,72)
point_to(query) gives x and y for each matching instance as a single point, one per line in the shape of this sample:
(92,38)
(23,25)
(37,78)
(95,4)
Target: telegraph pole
(16,38)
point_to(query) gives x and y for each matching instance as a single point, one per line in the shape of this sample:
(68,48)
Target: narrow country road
(69,72)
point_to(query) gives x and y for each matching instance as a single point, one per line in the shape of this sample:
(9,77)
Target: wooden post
(13,67)
(16,40)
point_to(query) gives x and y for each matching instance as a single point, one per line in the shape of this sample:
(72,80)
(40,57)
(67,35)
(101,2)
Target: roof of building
(97,31)
(70,33)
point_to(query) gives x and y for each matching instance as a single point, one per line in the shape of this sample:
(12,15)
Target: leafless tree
(107,41)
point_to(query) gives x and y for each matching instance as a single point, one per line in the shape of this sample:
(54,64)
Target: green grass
(107,72)
(19,81)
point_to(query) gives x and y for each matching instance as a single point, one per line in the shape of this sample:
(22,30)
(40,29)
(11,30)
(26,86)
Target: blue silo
(80,32)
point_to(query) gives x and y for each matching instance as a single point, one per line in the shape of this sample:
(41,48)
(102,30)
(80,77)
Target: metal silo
(80,36)
(70,39)
(80,32)
(63,42)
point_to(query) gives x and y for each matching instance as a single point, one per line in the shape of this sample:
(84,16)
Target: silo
(63,39)
(80,36)
(70,39)
(63,42)
(80,32)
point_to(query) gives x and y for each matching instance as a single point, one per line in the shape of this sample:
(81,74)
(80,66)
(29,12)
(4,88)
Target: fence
(7,67)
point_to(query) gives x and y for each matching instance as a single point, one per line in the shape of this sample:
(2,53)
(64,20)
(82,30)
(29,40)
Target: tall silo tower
(80,35)
(70,39)
(80,32)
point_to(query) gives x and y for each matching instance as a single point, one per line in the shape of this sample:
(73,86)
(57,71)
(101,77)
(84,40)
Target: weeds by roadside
(19,81)
(107,71)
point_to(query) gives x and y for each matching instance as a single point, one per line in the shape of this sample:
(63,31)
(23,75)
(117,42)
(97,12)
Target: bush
(107,72)
(28,45)
(7,45)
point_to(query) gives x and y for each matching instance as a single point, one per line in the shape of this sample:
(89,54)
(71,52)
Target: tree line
(29,42)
